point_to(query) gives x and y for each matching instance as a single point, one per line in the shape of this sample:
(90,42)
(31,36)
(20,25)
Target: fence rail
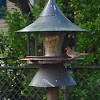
(35,67)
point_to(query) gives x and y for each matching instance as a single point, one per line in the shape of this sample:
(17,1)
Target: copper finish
(44,58)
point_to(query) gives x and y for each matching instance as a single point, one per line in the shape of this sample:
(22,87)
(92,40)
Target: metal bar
(5,62)
(3,58)
(28,44)
(66,93)
(36,44)
(16,68)
(36,66)
(43,50)
(53,93)
(20,67)
(84,67)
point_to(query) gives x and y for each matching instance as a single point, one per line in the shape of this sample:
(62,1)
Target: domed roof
(52,20)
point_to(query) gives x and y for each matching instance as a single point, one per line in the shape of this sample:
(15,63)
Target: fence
(14,84)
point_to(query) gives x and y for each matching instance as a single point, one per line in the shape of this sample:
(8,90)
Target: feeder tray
(48,59)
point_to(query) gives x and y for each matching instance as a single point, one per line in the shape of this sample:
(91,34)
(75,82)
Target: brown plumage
(74,54)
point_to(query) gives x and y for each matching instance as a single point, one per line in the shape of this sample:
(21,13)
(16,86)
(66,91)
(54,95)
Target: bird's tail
(83,54)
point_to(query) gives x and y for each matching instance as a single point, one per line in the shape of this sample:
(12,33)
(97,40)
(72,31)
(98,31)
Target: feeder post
(66,92)
(53,93)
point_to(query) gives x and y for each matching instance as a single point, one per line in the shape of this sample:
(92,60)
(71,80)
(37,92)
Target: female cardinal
(74,54)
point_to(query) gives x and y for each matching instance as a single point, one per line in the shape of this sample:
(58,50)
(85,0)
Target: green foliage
(87,87)
(3,37)
(14,44)
(87,16)
(38,7)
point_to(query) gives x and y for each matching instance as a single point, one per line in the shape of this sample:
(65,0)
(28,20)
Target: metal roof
(52,76)
(52,20)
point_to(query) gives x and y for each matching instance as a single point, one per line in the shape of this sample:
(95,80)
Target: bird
(74,54)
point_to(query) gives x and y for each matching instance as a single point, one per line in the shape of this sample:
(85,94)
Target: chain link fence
(88,85)
(14,85)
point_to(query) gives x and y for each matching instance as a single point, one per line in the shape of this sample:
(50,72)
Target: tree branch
(24,7)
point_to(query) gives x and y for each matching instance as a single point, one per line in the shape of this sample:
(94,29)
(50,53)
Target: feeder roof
(52,20)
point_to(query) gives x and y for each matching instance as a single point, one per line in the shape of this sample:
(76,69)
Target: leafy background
(86,14)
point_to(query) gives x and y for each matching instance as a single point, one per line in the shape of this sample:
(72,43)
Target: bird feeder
(52,74)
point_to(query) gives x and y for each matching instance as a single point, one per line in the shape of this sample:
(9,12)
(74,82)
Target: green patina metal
(52,20)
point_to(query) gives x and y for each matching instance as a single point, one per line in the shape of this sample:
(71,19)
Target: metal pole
(36,44)
(53,93)
(66,93)
(5,62)
(28,44)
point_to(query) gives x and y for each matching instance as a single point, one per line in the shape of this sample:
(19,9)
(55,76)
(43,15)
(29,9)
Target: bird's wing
(73,54)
